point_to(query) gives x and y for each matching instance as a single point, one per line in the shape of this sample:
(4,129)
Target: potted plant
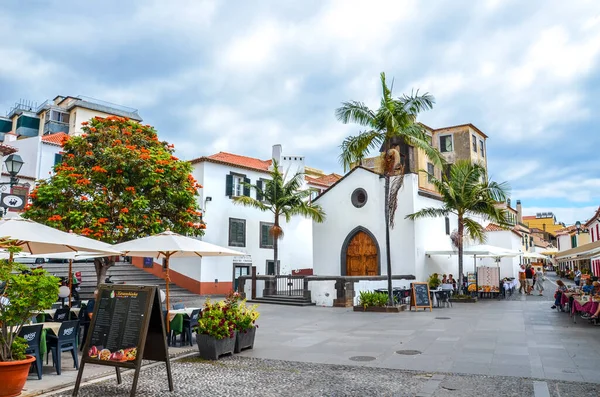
(216,332)
(244,317)
(434,281)
(22,291)
(373,301)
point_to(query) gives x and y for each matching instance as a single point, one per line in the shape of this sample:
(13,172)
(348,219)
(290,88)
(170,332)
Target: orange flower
(159,171)
(130,189)
(144,157)
(83,181)
(119,171)
(131,147)
(174,158)
(84,135)
(125,210)
(70,155)
(89,153)
(93,129)
(145,216)
(83,198)
(202,226)
(102,220)
(54,218)
(117,142)
(97,168)
(119,227)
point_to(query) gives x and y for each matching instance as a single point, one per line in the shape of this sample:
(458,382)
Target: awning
(586,249)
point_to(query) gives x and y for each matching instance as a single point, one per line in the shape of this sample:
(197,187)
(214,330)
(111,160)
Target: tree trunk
(387,239)
(276,247)
(102,265)
(461,228)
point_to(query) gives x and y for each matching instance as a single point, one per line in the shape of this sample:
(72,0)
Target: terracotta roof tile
(55,139)
(5,150)
(529,217)
(236,160)
(326,180)
(492,227)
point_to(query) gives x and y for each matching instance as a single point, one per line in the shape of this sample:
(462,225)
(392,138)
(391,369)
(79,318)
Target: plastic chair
(56,306)
(84,322)
(33,335)
(62,315)
(178,306)
(189,324)
(64,342)
(177,329)
(76,304)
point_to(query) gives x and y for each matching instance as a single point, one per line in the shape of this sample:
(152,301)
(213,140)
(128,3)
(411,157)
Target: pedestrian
(577,277)
(522,279)
(528,280)
(561,289)
(539,279)
(444,279)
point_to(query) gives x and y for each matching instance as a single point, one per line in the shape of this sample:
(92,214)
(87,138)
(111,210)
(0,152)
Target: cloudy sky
(239,76)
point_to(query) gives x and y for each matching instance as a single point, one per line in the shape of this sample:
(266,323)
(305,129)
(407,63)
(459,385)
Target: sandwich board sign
(420,297)
(127,327)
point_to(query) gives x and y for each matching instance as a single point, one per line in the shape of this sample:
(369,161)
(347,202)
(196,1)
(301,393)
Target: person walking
(522,279)
(577,277)
(528,280)
(539,279)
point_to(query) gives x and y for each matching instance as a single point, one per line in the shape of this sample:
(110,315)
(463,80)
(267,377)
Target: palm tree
(467,192)
(394,120)
(282,199)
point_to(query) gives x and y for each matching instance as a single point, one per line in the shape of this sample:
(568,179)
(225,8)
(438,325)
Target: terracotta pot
(13,375)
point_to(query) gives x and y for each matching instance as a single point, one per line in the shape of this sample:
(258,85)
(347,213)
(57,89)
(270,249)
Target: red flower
(119,227)
(83,198)
(125,210)
(97,168)
(84,123)
(119,171)
(55,218)
(70,155)
(89,153)
(93,129)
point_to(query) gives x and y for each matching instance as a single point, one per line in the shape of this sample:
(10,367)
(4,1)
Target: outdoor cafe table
(584,306)
(52,312)
(181,312)
(46,327)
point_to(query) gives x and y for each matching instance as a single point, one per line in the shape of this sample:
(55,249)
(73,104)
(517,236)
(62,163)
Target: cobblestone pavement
(240,376)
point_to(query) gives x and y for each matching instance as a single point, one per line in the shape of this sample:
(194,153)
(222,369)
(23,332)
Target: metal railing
(289,285)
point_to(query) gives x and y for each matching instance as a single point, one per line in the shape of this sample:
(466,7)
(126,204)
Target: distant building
(593,225)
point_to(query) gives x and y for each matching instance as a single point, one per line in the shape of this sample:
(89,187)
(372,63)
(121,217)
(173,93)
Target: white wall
(322,293)
(295,249)
(28,150)
(509,267)
(564,242)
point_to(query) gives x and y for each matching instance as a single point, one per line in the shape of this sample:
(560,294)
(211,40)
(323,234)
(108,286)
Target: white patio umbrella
(534,255)
(480,250)
(35,238)
(169,245)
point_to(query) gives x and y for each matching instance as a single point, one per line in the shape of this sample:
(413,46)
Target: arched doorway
(360,255)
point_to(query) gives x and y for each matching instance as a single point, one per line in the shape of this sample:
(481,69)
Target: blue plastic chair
(33,335)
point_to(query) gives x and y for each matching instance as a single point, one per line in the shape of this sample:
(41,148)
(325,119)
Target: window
(237,232)
(447,221)
(481,148)
(474,143)
(430,140)
(266,239)
(574,241)
(430,172)
(271,270)
(234,185)
(57,158)
(359,197)
(262,185)
(60,117)
(447,171)
(446,143)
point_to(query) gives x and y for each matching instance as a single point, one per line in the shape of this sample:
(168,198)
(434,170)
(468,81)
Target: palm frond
(313,212)
(355,148)
(428,213)
(250,202)
(355,112)
(474,230)
(414,103)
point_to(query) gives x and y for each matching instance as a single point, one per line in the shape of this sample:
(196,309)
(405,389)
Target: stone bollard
(345,293)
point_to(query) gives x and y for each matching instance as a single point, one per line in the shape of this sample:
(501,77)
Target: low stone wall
(339,291)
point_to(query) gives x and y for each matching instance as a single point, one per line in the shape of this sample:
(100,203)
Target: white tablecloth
(511,284)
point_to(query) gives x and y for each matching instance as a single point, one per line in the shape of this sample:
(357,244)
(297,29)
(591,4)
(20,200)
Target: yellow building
(545,221)
(458,142)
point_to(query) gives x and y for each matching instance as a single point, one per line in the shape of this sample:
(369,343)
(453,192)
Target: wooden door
(361,256)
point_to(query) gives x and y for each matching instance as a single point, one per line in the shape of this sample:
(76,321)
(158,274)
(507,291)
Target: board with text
(126,327)
(420,296)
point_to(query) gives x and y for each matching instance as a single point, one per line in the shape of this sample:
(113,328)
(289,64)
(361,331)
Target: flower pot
(245,339)
(13,375)
(211,348)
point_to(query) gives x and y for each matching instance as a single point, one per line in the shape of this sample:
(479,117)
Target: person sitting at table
(588,287)
(444,279)
(562,288)
(451,281)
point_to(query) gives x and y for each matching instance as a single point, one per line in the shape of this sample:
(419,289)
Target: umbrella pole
(70,281)
(167,280)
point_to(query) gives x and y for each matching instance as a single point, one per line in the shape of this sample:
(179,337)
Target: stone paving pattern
(239,376)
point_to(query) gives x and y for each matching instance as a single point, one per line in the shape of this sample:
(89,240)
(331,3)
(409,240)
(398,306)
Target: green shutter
(57,158)
(247,187)
(264,233)
(229,185)
(259,184)
(232,231)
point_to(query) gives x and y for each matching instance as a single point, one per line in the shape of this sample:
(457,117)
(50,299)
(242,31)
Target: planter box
(245,340)
(380,309)
(467,300)
(211,348)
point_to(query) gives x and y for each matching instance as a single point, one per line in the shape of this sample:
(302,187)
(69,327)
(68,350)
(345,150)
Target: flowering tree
(118,182)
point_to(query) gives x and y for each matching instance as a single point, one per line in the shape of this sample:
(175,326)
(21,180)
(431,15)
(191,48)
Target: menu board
(471,282)
(118,325)
(420,296)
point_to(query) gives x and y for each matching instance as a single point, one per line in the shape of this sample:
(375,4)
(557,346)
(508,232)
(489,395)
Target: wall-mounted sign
(243,259)
(13,201)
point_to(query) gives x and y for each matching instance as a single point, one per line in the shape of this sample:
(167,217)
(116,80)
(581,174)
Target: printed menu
(118,324)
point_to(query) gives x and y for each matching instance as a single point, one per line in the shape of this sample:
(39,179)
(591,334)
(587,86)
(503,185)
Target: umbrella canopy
(534,255)
(35,238)
(172,245)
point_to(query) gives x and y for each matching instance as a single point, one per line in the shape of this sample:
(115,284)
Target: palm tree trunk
(387,239)
(461,227)
(276,247)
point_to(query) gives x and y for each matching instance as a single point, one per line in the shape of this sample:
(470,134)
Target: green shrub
(434,281)
(371,298)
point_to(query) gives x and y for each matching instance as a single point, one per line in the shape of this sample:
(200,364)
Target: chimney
(10,137)
(519,212)
(276,154)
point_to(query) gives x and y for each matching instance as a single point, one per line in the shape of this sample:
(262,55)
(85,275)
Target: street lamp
(578,226)
(13,164)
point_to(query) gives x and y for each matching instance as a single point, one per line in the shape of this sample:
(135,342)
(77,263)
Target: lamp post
(13,164)
(578,226)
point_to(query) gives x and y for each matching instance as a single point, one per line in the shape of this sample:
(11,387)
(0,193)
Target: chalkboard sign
(420,297)
(127,326)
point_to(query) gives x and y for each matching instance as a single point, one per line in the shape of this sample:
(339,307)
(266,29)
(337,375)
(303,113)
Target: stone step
(285,302)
